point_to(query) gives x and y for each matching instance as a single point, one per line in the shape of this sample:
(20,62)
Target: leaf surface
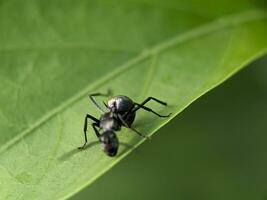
(53,54)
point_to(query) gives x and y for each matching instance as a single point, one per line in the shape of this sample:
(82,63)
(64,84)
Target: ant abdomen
(109,142)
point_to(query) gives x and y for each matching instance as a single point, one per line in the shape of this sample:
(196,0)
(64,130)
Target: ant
(121,112)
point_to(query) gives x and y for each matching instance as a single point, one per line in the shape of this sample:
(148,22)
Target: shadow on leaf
(71,153)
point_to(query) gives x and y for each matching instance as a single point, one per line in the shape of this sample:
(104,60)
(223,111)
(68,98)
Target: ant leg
(142,105)
(94,125)
(140,134)
(91,97)
(126,125)
(154,99)
(150,110)
(85,127)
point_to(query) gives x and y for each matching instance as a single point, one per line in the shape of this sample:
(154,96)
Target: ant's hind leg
(140,134)
(85,128)
(126,125)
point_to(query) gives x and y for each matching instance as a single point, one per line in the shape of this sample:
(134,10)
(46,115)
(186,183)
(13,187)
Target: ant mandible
(121,112)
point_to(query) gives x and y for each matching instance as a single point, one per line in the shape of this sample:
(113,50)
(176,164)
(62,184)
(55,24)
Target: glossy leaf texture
(54,53)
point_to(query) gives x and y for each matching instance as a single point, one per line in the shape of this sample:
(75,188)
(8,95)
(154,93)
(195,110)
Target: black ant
(121,112)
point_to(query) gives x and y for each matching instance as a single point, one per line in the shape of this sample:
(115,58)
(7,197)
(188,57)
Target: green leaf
(208,152)
(54,53)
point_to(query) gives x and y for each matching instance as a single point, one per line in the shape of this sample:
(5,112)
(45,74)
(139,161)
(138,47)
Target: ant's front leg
(142,105)
(85,128)
(138,106)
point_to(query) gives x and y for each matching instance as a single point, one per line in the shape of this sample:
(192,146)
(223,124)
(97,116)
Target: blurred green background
(215,149)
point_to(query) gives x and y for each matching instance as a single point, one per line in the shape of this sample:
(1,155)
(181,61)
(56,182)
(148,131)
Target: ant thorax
(109,121)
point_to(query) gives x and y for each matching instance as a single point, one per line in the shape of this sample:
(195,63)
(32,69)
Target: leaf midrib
(216,25)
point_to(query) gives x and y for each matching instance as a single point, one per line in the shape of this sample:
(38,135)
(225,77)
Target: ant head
(109,142)
(120,104)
